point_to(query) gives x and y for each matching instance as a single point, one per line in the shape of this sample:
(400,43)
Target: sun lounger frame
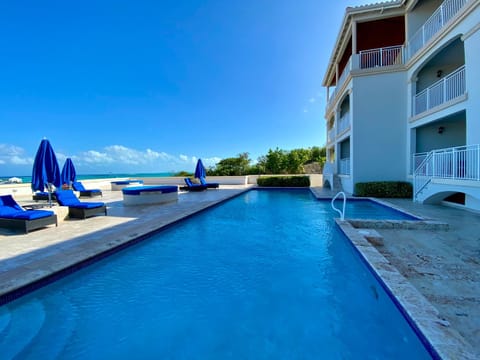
(83,213)
(28,225)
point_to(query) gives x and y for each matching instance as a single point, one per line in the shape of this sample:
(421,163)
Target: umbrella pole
(49,186)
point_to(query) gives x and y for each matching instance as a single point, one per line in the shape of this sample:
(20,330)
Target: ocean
(28,179)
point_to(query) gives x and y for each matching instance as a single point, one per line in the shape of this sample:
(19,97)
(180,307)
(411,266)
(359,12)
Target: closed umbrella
(46,171)
(68,174)
(200,170)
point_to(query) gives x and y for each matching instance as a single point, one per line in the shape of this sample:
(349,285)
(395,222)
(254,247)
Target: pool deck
(438,268)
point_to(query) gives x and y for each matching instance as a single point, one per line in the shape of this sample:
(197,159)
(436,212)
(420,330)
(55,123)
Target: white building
(403,90)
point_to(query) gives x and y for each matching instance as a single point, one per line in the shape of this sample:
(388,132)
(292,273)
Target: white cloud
(110,159)
(14,155)
(208,162)
(94,157)
(121,158)
(17,160)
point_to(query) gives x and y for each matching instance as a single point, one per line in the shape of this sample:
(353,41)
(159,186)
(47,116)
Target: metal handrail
(342,213)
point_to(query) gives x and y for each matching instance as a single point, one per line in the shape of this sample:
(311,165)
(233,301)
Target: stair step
(20,325)
(60,323)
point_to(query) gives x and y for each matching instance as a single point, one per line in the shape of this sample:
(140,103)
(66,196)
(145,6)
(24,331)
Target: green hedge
(384,189)
(284,181)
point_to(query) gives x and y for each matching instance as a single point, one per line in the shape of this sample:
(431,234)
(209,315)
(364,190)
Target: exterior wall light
(441,129)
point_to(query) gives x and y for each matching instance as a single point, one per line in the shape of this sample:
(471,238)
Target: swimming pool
(369,209)
(264,275)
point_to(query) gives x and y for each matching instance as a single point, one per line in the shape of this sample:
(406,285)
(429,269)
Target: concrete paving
(444,266)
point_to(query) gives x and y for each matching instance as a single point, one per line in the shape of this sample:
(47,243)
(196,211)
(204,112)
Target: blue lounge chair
(78,186)
(12,215)
(77,208)
(194,187)
(211,185)
(43,196)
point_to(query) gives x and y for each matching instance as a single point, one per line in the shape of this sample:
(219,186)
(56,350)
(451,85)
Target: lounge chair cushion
(127,182)
(78,186)
(68,198)
(9,213)
(136,190)
(212,185)
(12,215)
(194,187)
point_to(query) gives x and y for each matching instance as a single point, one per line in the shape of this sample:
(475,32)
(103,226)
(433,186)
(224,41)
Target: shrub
(183,174)
(284,181)
(384,189)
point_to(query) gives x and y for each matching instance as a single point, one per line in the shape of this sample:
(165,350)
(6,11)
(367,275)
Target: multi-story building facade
(403,99)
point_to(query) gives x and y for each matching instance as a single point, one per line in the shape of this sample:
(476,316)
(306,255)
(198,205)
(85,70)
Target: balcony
(434,24)
(374,58)
(340,82)
(460,163)
(343,123)
(368,59)
(331,135)
(449,88)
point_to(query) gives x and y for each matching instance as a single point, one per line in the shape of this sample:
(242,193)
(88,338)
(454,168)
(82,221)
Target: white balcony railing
(368,59)
(457,163)
(343,123)
(434,24)
(444,90)
(331,135)
(387,56)
(344,166)
(341,81)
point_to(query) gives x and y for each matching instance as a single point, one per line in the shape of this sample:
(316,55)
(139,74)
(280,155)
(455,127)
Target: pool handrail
(342,213)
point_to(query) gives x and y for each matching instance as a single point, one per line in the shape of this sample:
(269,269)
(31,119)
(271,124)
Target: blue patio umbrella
(46,171)
(200,171)
(68,174)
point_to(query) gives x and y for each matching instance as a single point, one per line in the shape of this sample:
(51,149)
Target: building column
(354,37)
(471,41)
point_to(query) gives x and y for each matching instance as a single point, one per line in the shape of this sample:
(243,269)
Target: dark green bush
(284,181)
(384,189)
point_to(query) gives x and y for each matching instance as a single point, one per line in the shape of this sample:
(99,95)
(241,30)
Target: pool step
(20,327)
(59,325)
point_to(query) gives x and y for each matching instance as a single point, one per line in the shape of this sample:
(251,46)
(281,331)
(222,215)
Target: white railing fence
(367,59)
(387,56)
(331,134)
(446,89)
(344,166)
(343,123)
(434,23)
(341,81)
(457,163)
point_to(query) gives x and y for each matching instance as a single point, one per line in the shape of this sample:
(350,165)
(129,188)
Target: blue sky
(150,86)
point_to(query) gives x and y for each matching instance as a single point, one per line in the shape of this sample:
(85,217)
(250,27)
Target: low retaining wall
(398,224)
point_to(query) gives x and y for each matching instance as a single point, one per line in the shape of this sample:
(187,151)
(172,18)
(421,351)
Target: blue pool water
(266,275)
(369,209)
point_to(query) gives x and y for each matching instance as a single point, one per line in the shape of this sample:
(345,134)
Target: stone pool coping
(444,340)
